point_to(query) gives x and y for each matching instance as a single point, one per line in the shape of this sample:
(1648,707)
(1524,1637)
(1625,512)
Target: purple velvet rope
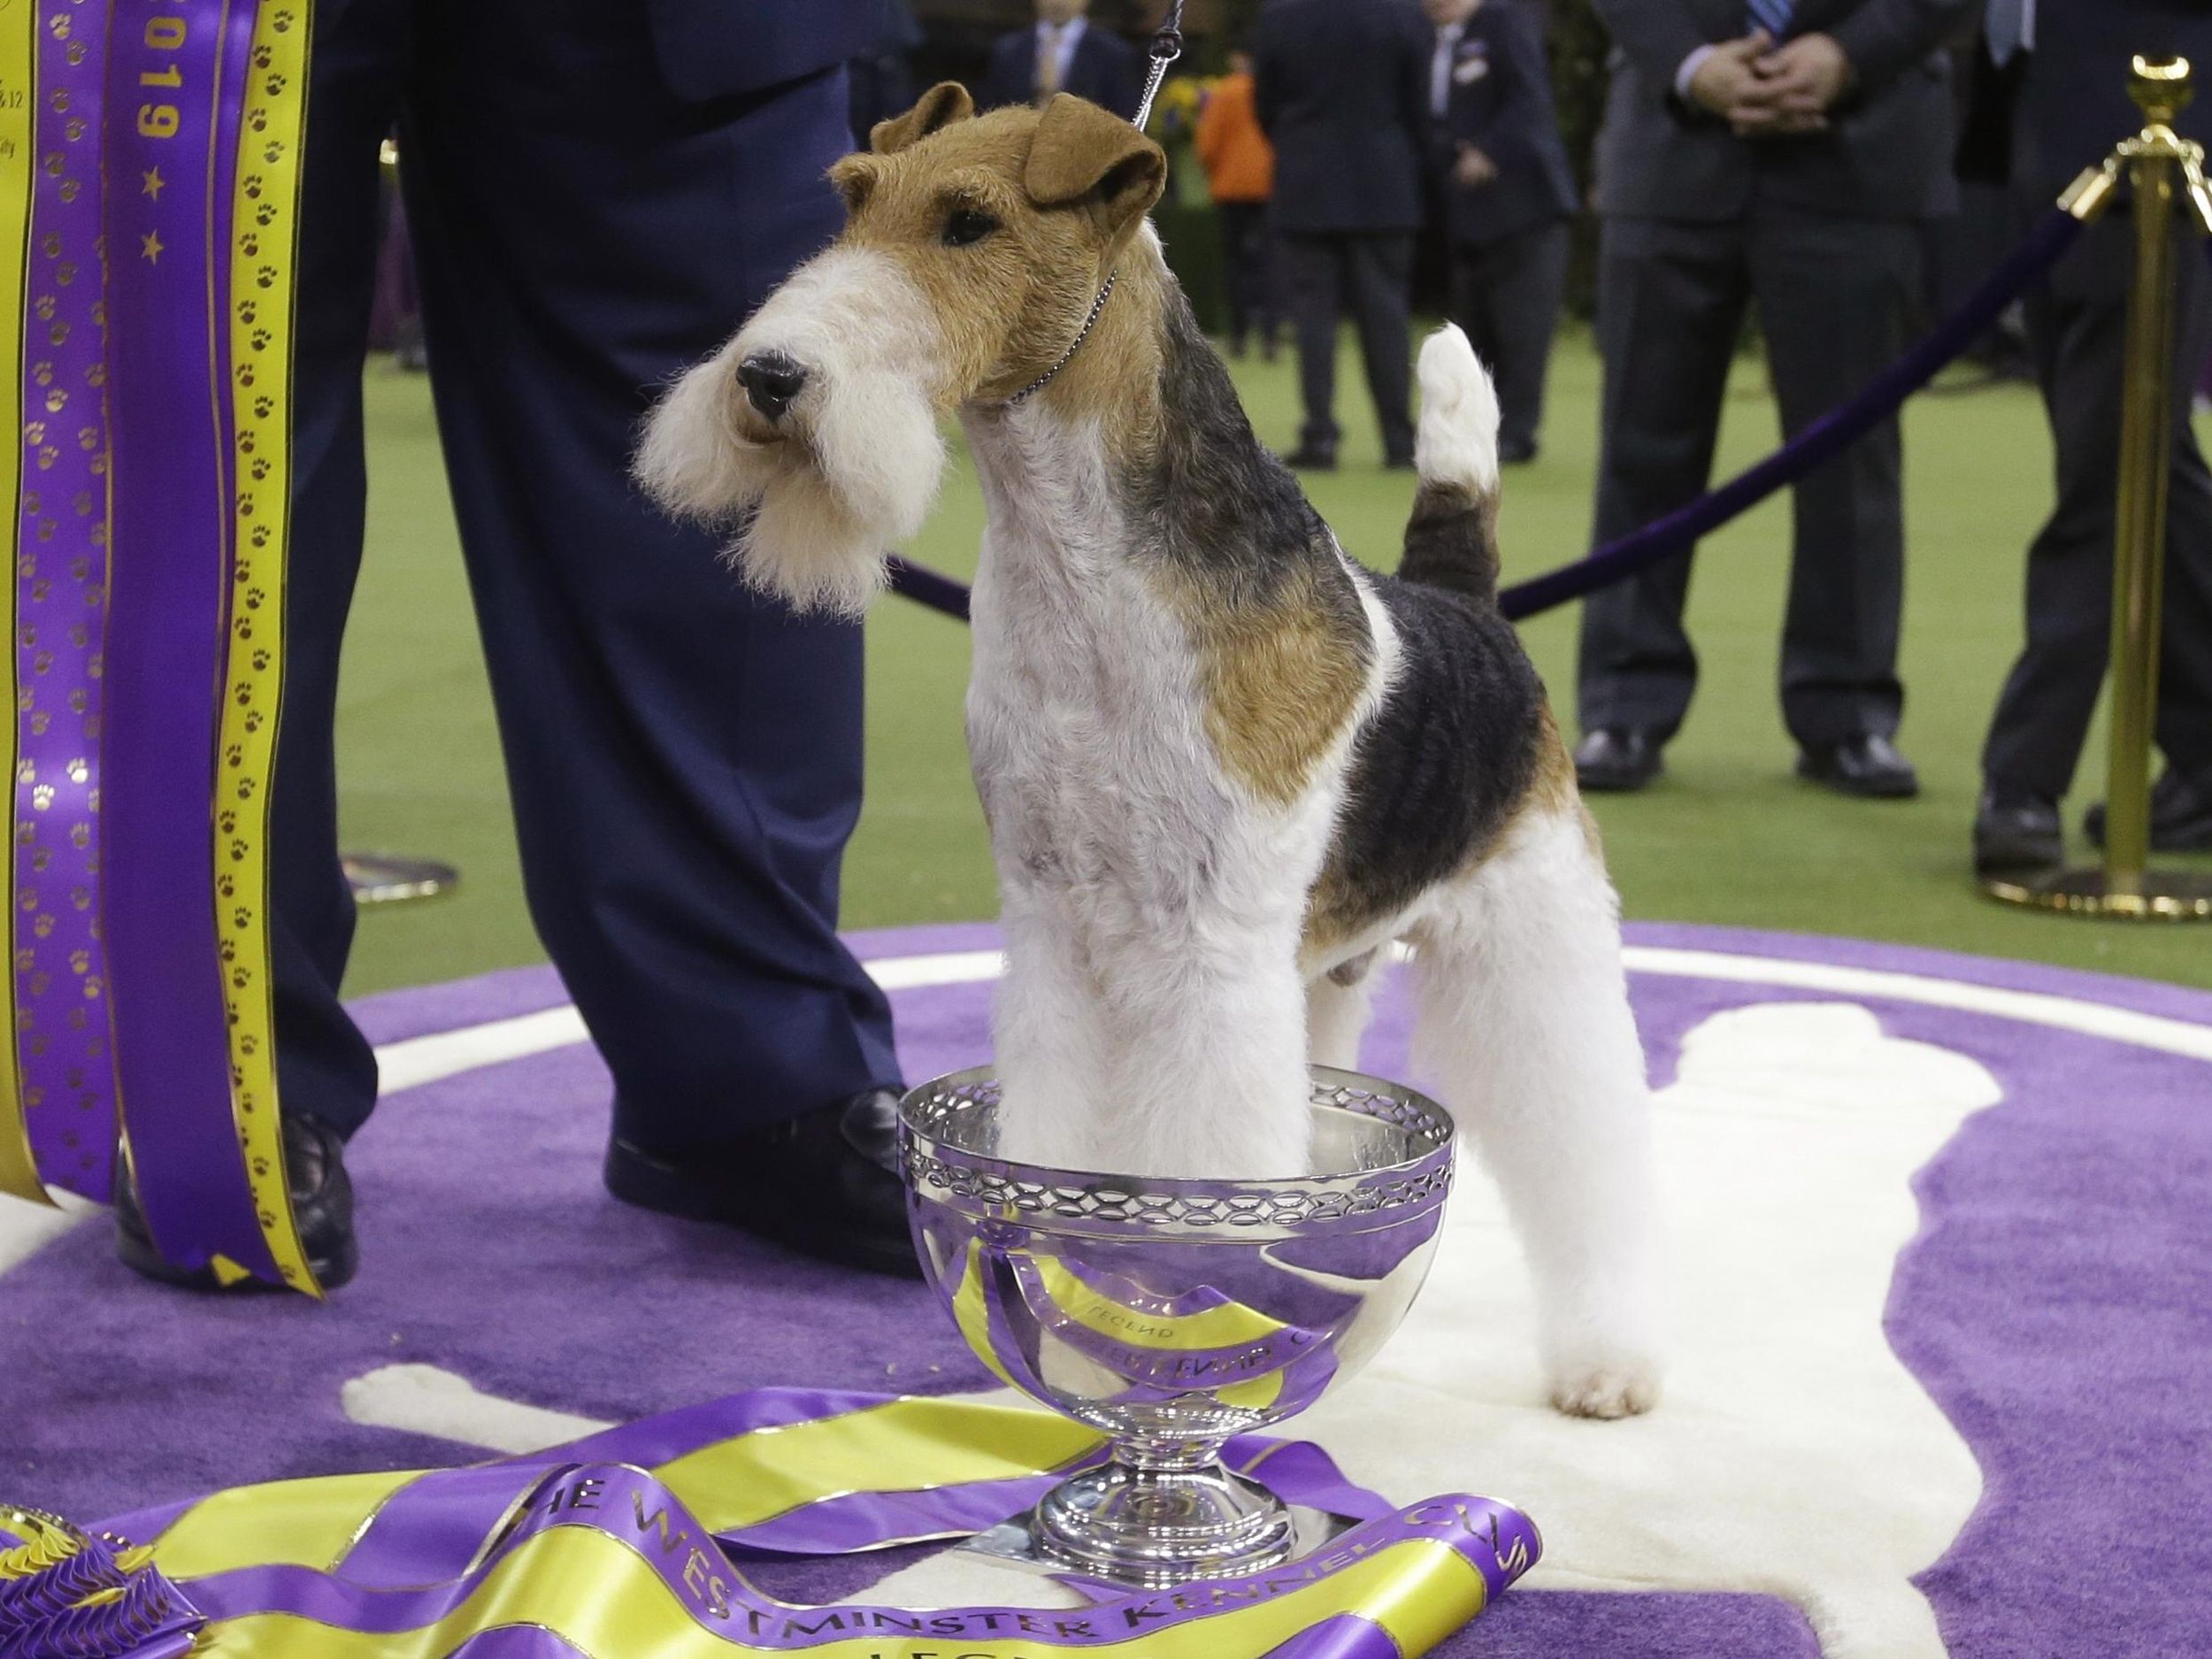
(926,586)
(1827,437)
(1679,530)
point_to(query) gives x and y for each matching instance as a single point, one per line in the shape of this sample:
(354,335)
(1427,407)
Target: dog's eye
(966,226)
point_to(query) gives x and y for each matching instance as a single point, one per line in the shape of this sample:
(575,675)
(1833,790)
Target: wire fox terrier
(1223,764)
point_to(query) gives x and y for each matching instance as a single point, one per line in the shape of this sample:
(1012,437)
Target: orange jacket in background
(1239,162)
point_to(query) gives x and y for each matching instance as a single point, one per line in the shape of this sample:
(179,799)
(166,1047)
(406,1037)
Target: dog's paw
(1608,1389)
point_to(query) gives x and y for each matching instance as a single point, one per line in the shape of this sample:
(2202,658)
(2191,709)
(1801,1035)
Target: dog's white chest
(1083,727)
(1107,799)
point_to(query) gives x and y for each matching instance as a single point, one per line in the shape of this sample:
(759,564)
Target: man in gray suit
(1776,154)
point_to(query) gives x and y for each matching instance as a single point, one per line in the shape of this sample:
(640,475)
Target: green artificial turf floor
(1729,836)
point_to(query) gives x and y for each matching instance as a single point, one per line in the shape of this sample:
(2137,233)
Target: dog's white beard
(815,513)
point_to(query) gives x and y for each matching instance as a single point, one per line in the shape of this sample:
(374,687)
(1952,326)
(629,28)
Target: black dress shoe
(322,1209)
(1398,461)
(2014,834)
(825,1184)
(2181,817)
(1516,452)
(1868,765)
(1312,457)
(1616,758)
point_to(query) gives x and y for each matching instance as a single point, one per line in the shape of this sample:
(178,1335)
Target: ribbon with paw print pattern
(150,155)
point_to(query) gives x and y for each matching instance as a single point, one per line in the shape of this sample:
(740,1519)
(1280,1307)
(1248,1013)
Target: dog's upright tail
(1452,540)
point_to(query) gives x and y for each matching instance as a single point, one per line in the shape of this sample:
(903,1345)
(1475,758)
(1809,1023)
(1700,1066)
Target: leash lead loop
(1167,46)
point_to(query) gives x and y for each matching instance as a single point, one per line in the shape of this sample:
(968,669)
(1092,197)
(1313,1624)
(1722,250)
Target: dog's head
(972,251)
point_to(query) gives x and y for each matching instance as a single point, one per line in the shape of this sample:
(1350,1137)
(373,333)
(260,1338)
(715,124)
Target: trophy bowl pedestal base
(1094,1525)
(1158,1528)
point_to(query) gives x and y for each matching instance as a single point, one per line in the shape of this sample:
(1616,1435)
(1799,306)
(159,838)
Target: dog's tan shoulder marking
(1281,679)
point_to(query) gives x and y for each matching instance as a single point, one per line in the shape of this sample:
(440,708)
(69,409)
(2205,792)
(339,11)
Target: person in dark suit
(2051,98)
(599,195)
(1342,87)
(1778,155)
(1508,192)
(880,83)
(1065,52)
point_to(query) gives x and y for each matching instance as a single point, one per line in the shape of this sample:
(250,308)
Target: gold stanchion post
(2166,172)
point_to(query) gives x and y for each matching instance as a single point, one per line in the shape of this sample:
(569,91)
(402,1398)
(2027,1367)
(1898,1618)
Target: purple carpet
(2057,1305)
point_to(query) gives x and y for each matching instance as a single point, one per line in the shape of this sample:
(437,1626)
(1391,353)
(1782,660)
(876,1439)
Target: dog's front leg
(1153,1053)
(1207,1024)
(1050,1052)
(1338,1003)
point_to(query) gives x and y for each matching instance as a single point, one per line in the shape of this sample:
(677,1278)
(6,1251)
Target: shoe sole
(1902,789)
(1615,782)
(2193,837)
(332,1273)
(2021,861)
(644,1186)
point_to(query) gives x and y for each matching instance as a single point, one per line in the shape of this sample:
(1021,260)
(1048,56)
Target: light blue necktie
(1774,16)
(2006,26)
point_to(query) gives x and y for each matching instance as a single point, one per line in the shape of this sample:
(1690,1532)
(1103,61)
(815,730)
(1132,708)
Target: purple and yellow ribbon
(149,182)
(632,1543)
(19,55)
(264,236)
(65,1056)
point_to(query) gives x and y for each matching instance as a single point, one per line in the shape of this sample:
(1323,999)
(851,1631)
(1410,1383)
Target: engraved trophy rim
(943,1167)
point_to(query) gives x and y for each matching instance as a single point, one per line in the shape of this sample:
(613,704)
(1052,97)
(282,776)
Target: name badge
(1469,70)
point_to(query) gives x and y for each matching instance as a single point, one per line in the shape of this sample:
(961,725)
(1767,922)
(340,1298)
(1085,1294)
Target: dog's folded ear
(1088,154)
(943,105)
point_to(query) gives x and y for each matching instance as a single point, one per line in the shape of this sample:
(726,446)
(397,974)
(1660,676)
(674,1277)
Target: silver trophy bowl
(1172,1315)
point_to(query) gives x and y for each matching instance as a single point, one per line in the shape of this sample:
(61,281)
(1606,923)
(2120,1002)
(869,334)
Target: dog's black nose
(772,380)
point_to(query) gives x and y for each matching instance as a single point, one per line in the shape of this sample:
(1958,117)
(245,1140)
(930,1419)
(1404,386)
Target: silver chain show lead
(1167,46)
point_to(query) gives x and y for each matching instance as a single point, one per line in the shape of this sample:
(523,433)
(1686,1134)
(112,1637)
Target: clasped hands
(1474,168)
(1762,90)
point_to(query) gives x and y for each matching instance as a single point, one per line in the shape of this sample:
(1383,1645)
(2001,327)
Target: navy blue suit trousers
(684,758)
